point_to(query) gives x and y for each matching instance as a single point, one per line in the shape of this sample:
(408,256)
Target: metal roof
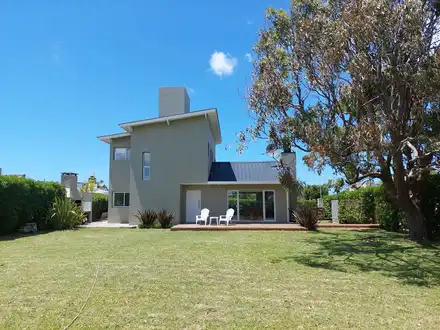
(244,172)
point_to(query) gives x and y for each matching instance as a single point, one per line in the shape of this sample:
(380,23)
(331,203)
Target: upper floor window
(121,154)
(146,166)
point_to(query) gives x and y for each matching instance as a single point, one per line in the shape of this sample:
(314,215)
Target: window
(121,154)
(269,205)
(121,199)
(145,166)
(253,205)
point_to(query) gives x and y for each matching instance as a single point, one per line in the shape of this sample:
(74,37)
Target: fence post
(335,218)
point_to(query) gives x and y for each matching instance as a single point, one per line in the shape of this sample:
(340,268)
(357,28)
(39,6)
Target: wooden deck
(270,226)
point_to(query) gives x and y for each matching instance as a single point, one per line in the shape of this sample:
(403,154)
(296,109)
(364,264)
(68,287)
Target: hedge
(370,205)
(431,206)
(99,206)
(24,200)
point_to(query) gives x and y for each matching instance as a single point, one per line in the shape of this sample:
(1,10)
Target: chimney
(288,159)
(173,101)
(70,182)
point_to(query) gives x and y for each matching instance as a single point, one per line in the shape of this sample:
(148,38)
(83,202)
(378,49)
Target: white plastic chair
(203,216)
(227,218)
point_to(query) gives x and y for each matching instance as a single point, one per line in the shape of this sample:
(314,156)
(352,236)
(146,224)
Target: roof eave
(109,137)
(209,113)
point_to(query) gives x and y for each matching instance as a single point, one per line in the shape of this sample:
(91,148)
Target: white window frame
(113,201)
(264,203)
(144,178)
(127,153)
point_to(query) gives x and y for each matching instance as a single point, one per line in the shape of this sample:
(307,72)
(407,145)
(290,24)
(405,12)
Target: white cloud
(222,64)
(249,22)
(248,57)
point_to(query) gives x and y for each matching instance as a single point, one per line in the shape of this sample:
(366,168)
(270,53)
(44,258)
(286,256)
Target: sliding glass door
(252,205)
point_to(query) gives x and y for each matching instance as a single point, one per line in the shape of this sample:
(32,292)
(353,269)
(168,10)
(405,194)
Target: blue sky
(71,71)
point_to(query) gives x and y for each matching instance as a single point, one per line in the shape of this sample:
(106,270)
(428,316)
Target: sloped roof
(244,172)
(210,114)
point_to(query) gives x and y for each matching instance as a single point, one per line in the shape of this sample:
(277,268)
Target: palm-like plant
(65,214)
(307,216)
(147,218)
(165,218)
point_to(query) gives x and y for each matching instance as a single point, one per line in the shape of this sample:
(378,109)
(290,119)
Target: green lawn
(201,280)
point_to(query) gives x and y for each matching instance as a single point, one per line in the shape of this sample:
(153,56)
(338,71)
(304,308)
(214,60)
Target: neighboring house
(17,175)
(363,184)
(96,189)
(169,162)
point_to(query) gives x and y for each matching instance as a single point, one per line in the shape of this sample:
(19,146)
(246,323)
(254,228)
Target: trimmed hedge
(370,205)
(306,203)
(99,206)
(24,200)
(365,205)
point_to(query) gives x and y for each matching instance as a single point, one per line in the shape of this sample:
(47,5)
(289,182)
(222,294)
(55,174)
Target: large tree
(356,85)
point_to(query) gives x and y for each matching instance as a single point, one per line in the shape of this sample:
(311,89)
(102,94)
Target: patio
(106,224)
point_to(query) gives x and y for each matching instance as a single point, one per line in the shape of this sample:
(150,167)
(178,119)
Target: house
(16,175)
(169,162)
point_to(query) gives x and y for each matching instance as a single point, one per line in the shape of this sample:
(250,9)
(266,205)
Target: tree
(92,184)
(315,191)
(356,85)
(337,185)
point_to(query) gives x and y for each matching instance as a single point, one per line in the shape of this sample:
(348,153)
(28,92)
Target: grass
(201,280)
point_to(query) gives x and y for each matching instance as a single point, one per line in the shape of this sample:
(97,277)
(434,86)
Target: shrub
(431,206)
(147,218)
(65,214)
(307,216)
(165,218)
(24,200)
(99,206)
(305,202)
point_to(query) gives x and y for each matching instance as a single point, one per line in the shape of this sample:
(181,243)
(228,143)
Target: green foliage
(315,191)
(328,79)
(366,205)
(307,216)
(389,218)
(360,206)
(338,185)
(99,205)
(165,218)
(24,200)
(147,218)
(431,206)
(308,203)
(65,214)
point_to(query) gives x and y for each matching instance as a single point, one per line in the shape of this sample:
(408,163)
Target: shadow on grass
(18,235)
(389,254)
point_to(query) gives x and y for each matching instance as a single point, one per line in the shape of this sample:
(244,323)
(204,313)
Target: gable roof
(209,114)
(246,172)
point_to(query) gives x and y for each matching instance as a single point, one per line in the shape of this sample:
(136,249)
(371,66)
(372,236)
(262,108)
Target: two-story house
(169,162)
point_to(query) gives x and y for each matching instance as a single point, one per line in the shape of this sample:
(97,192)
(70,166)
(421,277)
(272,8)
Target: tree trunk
(416,225)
